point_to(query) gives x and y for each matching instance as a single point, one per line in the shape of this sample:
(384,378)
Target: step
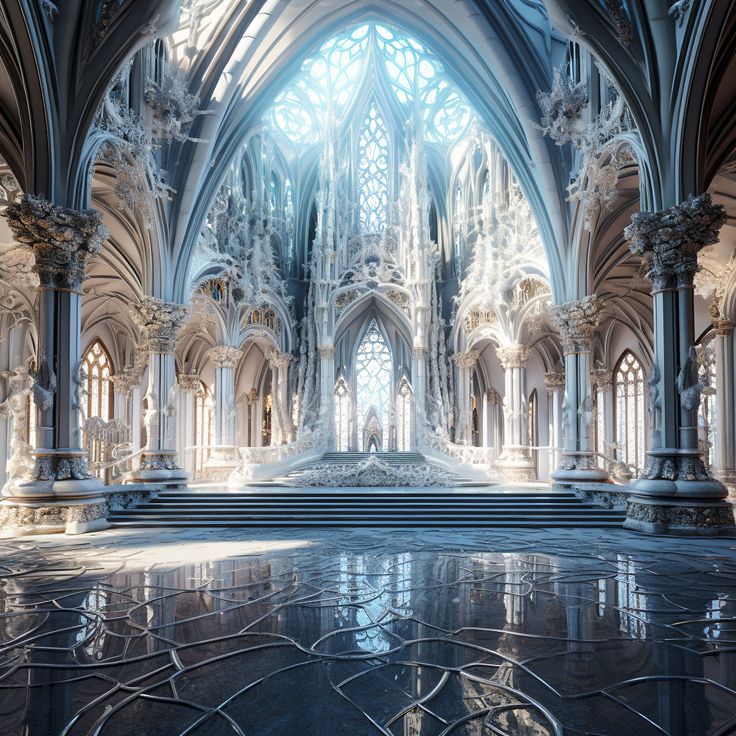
(373,523)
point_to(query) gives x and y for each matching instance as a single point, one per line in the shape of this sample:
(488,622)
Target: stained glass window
(373,172)
(629,408)
(328,81)
(98,387)
(373,377)
(343,411)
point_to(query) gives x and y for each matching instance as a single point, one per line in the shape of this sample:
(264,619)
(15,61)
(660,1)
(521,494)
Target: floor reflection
(411,635)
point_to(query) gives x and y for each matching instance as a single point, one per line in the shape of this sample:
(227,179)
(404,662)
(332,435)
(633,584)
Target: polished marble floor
(417,633)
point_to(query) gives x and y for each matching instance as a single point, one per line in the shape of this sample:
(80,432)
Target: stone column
(59,493)
(224,457)
(160,323)
(189,384)
(676,495)
(327,392)
(281,425)
(515,459)
(494,420)
(252,399)
(577,321)
(419,389)
(601,380)
(725,451)
(465,363)
(555,383)
(127,407)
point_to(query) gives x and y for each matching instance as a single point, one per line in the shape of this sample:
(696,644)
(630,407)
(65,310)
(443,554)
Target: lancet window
(98,370)
(343,416)
(373,378)
(629,409)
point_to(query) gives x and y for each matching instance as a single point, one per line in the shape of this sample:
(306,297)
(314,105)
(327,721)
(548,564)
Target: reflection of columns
(189,384)
(577,321)
(515,459)
(327,392)
(555,383)
(224,455)
(465,363)
(160,322)
(676,494)
(725,453)
(60,492)
(281,426)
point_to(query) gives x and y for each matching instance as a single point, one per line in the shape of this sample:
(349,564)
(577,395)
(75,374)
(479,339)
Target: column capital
(125,380)
(252,395)
(468,359)
(277,359)
(601,378)
(160,321)
(724,326)
(554,381)
(326,352)
(513,356)
(62,239)
(577,321)
(669,240)
(188,382)
(225,356)
(493,397)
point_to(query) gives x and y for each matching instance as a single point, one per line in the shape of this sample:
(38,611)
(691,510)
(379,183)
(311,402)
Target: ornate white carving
(577,321)
(160,322)
(225,356)
(188,382)
(513,356)
(20,463)
(554,381)
(467,359)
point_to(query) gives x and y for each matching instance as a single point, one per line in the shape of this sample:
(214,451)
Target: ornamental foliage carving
(513,356)
(669,240)
(225,356)
(577,321)
(62,239)
(160,322)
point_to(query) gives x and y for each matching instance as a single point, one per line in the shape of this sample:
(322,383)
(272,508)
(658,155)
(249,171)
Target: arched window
(343,416)
(628,381)
(373,172)
(707,420)
(403,417)
(203,426)
(373,378)
(98,369)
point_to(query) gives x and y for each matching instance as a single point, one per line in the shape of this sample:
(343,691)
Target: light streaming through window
(373,172)
(373,378)
(98,370)
(629,403)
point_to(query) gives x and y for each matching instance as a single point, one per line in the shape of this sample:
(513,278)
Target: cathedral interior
(367,367)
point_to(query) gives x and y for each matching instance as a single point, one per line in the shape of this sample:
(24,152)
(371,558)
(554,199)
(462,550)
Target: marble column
(464,363)
(59,493)
(327,393)
(189,384)
(252,399)
(554,381)
(224,456)
(281,425)
(725,451)
(676,494)
(515,460)
(160,323)
(601,380)
(577,321)
(127,407)
(419,390)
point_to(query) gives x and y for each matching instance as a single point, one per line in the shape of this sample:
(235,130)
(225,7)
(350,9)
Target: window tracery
(98,388)
(343,416)
(373,377)
(629,409)
(373,154)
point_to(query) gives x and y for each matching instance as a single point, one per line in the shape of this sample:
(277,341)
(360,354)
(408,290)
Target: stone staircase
(369,508)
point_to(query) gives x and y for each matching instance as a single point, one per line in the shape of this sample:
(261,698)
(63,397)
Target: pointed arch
(98,369)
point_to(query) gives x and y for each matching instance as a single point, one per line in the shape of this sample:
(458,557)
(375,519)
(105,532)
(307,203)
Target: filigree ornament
(160,322)
(577,321)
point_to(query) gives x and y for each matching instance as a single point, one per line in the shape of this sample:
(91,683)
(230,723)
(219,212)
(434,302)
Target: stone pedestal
(223,459)
(59,493)
(515,460)
(676,495)
(160,323)
(577,321)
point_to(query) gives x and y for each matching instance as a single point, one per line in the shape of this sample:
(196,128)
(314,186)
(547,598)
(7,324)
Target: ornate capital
(277,359)
(225,356)
(326,352)
(125,380)
(160,321)
(467,359)
(601,378)
(62,239)
(493,397)
(189,381)
(419,352)
(669,240)
(252,395)
(554,381)
(513,356)
(723,327)
(577,321)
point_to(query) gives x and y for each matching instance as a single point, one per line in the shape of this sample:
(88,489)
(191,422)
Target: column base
(157,466)
(579,467)
(59,496)
(516,464)
(677,496)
